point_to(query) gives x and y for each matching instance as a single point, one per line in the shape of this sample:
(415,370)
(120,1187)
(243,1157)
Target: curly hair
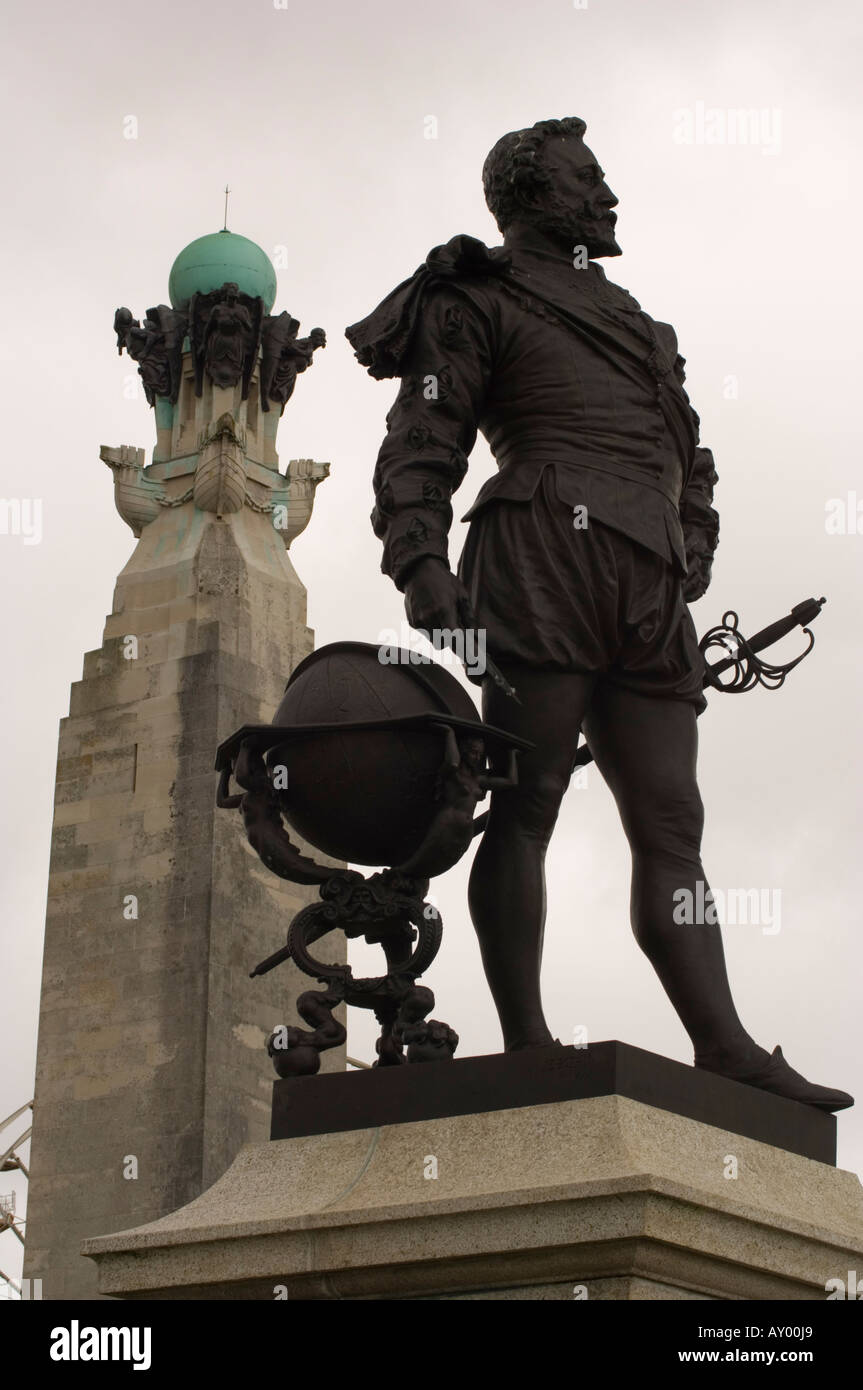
(513,172)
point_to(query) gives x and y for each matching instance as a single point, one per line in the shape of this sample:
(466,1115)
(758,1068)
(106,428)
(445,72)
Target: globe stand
(387,910)
(375,758)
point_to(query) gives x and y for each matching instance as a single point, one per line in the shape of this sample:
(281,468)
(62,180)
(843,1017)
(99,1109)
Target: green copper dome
(211,261)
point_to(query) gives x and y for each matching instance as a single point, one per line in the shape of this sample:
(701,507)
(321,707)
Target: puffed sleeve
(431,429)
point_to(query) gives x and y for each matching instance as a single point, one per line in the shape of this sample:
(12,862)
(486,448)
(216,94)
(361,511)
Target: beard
(585,224)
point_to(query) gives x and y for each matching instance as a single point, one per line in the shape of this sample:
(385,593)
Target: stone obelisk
(152,1070)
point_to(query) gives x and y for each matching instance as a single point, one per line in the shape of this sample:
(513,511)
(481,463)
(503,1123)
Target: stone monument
(149,1077)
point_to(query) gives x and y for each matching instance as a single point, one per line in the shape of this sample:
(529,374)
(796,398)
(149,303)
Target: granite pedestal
(596,1195)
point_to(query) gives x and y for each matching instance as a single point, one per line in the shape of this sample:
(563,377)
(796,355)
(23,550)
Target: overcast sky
(316,115)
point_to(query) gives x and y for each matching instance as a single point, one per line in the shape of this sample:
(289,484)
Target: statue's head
(472,753)
(546,177)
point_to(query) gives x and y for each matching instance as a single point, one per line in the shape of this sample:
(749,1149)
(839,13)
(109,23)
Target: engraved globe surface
(363,795)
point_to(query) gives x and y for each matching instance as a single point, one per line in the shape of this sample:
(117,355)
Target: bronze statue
(226,328)
(168,327)
(582,555)
(157,347)
(224,335)
(462,781)
(284,355)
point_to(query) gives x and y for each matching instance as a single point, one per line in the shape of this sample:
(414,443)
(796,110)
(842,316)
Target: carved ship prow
(220,477)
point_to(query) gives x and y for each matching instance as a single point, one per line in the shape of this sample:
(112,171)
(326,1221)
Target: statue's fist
(435,597)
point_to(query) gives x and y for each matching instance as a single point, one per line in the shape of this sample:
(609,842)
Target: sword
(500,679)
(491,667)
(741,663)
(747,669)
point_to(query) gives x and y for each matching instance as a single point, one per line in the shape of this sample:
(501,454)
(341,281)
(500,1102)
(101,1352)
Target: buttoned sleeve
(699,519)
(431,430)
(700,524)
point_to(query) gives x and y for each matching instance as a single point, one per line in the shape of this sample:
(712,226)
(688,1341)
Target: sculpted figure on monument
(580,394)
(168,327)
(225,334)
(157,347)
(123,324)
(284,355)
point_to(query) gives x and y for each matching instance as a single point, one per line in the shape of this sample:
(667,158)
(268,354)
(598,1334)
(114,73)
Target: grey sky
(315,116)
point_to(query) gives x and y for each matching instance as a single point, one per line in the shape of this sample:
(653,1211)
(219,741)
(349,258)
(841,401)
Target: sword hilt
(751,671)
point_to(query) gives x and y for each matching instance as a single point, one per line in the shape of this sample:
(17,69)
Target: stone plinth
(603,1197)
(392,1095)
